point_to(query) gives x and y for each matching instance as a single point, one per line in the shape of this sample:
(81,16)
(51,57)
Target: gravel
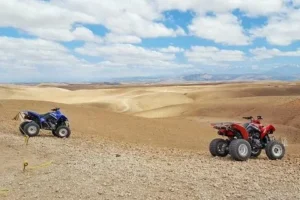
(84,169)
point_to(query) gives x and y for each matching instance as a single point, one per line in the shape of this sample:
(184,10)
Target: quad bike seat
(48,113)
(44,115)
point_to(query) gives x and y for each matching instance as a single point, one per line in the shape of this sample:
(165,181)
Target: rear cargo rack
(223,124)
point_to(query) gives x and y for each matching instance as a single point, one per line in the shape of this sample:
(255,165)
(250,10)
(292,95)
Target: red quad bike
(245,141)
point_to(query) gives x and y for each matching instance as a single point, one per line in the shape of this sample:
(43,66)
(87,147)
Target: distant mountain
(139,79)
(283,73)
(287,70)
(225,77)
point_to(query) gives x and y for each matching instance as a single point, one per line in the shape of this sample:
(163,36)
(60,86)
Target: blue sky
(78,41)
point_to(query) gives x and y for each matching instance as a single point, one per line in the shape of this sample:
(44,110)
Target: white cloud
(255,67)
(213,55)
(281,29)
(54,20)
(130,55)
(222,28)
(250,7)
(20,53)
(296,2)
(260,7)
(180,32)
(45,20)
(264,53)
(133,24)
(122,18)
(171,49)
(114,38)
(82,33)
(44,59)
(128,23)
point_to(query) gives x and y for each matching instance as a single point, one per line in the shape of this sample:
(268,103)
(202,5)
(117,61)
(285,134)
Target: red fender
(243,131)
(266,130)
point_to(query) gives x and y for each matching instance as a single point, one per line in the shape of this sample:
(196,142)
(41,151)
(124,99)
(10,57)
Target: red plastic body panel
(225,132)
(266,130)
(242,130)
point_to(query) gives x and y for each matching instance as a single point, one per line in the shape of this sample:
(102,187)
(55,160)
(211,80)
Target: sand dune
(125,113)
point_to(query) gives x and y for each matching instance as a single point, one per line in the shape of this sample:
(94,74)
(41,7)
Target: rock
(256,186)
(121,195)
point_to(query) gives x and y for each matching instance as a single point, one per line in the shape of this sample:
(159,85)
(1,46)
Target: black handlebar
(55,109)
(250,117)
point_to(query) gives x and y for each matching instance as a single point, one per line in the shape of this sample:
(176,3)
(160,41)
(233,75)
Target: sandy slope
(278,102)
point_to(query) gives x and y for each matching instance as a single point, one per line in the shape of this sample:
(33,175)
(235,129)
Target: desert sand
(160,135)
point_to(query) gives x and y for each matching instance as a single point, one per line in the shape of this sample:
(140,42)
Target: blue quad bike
(54,121)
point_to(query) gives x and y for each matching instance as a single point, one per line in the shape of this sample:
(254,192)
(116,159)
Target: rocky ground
(82,169)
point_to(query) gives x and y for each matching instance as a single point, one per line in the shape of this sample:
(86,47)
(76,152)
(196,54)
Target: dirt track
(84,170)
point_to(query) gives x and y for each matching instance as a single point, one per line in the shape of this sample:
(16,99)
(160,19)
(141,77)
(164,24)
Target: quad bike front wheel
(240,150)
(62,132)
(54,132)
(275,150)
(218,147)
(31,129)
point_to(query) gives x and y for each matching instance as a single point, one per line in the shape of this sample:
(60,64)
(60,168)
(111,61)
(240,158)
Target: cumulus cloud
(281,29)
(250,7)
(54,20)
(45,20)
(213,56)
(114,38)
(171,49)
(222,28)
(296,2)
(259,7)
(57,21)
(128,54)
(136,18)
(21,53)
(131,55)
(264,53)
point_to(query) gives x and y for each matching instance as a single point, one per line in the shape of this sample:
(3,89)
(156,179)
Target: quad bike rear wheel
(275,150)
(21,127)
(31,129)
(218,147)
(62,132)
(54,132)
(240,150)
